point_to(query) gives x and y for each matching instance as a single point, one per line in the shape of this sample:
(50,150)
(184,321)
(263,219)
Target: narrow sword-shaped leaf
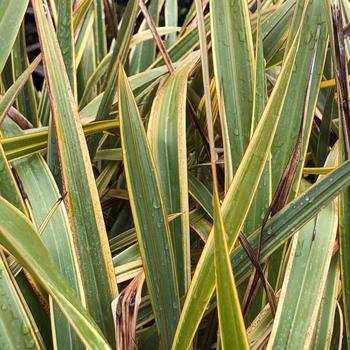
(84,50)
(341,71)
(233,334)
(84,210)
(149,213)
(85,53)
(235,206)
(36,139)
(233,62)
(262,198)
(12,14)
(15,310)
(65,37)
(14,314)
(290,219)
(99,31)
(263,195)
(344,240)
(171,14)
(42,193)
(167,138)
(288,176)
(314,34)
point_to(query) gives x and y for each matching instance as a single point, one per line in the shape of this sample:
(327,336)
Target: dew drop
(156,204)
(25,329)
(29,344)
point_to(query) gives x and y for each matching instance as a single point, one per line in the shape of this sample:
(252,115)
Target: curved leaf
(232,329)
(149,213)
(167,138)
(83,206)
(21,239)
(233,66)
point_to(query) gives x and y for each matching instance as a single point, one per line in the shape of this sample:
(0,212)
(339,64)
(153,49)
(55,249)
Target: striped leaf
(233,61)
(42,193)
(167,138)
(232,329)
(150,215)
(83,206)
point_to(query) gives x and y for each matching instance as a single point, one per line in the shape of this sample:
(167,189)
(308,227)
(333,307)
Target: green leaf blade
(152,228)
(233,61)
(233,334)
(84,209)
(167,138)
